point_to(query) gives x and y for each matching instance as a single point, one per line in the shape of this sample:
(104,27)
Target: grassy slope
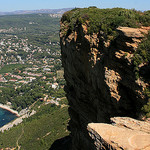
(10,68)
(39,131)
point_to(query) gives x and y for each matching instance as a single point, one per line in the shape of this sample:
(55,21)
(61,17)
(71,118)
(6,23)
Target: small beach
(9,109)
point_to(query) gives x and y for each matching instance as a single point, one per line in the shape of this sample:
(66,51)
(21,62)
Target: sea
(6,116)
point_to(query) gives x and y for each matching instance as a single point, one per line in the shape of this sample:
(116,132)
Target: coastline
(17,120)
(6,107)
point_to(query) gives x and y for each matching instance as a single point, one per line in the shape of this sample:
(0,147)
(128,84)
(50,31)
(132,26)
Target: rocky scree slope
(98,50)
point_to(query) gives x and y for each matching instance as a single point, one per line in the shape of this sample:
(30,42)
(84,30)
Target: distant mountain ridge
(51,11)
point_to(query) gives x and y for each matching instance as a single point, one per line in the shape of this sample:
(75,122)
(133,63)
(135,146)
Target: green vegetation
(24,25)
(146,108)
(142,57)
(39,131)
(142,54)
(12,68)
(106,20)
(21,97)
(29,93)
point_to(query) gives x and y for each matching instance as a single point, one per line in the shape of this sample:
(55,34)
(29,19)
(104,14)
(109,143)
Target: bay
(6,116)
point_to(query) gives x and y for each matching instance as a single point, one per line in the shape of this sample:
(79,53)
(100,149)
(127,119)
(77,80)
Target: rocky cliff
(101,82)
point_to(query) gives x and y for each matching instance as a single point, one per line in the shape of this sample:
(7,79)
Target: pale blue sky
(12,5)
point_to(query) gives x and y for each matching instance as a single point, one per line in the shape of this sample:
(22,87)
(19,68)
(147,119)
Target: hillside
(42,11)
(105,55)
(39,131)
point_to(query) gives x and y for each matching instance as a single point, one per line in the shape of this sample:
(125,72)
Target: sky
(13,5)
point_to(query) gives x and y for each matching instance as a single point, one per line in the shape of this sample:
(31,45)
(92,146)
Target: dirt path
(33,104)
(17,142)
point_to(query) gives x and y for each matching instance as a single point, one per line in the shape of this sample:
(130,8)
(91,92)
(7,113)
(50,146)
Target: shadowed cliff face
(100,81)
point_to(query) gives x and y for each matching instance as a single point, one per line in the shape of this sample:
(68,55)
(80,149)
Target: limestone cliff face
(100,81)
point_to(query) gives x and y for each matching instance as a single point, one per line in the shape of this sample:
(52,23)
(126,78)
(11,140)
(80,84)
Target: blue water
(6,116)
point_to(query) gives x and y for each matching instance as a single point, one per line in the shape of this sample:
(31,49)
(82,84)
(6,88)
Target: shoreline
(17,121)
(6,107)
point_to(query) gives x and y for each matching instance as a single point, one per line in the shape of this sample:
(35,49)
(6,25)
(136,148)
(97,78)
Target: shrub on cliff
(142,58)
(142,54)
(106,20)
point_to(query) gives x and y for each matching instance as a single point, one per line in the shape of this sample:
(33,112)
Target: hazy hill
(51,11)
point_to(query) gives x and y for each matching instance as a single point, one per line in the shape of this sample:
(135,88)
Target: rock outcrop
(128,134)
(100,84)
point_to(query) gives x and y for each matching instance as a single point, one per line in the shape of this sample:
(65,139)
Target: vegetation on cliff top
(106,20)
(141,61)
(142,56)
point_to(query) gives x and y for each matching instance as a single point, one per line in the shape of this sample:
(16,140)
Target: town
(30,60)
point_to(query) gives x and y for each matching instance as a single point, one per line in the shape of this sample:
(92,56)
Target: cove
(6,116)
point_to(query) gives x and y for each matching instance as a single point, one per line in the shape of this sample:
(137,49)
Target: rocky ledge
(124,133)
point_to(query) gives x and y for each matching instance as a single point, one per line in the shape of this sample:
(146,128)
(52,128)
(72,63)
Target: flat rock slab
(119,137)
(131,123)
(130,32)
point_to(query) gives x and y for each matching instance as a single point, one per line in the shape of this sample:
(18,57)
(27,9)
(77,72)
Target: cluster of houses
(10,49)
(14,50)
(28,75)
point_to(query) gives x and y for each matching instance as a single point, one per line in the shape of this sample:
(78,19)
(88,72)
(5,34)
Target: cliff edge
(104,77)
